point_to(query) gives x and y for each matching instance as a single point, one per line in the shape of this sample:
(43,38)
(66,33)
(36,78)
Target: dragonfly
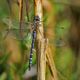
(36,22)
(15,29)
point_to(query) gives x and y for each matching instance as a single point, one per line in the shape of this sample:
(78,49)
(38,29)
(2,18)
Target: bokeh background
(62,28)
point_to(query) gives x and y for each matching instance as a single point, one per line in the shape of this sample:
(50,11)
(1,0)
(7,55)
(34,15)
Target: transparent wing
(14,29)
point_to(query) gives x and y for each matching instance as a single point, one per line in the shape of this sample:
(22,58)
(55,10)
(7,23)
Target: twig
(51,63)
(40,43)
(50,48)
(27,9)
(21,17)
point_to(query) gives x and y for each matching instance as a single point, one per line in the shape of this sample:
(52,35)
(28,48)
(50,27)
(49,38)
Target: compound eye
(37,18)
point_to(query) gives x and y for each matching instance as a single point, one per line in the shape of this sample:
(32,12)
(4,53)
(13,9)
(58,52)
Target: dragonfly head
(36,18)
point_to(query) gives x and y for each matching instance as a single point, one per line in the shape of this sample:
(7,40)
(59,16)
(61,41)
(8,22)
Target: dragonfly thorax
(36,22)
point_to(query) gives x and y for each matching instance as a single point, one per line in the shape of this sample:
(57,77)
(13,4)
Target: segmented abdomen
(32,47)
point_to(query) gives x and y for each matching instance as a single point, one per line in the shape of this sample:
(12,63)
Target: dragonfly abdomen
(32,48)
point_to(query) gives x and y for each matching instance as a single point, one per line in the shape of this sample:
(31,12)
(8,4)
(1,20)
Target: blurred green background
(59,18)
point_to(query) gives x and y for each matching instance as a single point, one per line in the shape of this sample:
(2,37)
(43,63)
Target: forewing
(14,28)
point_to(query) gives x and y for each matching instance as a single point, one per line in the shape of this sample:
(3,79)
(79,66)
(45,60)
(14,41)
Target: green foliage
(4,58)
(4,10)
(59,8)
(64,58)
(62,28)
(3,76)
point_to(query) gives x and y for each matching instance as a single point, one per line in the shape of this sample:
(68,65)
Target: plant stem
(21,18)
(41,62)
